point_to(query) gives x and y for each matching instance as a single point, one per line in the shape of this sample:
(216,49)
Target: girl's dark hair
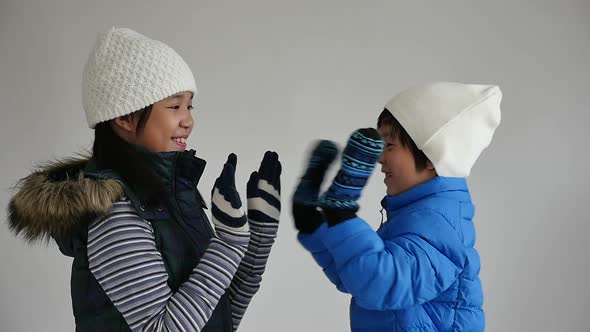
(387,119)
(111,152)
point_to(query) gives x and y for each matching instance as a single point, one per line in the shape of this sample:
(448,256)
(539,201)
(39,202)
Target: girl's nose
(187,122)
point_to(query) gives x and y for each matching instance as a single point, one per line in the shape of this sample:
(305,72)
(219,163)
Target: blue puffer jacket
(418,272)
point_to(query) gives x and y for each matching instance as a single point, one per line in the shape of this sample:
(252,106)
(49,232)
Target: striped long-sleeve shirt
(247,280)
(263,217)
(123,257)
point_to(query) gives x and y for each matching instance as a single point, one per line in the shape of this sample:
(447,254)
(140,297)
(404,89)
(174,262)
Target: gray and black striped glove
(264,208)
(264,196)
(227,211)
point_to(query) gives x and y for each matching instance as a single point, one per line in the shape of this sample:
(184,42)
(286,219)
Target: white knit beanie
(452,123)
(127,71)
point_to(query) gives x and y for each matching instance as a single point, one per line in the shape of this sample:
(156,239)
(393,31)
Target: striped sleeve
(263,217)
(123,257)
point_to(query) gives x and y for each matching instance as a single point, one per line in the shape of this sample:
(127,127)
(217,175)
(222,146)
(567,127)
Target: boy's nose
(380,160)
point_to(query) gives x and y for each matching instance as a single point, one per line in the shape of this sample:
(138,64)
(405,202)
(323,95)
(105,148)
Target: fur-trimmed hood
(56,197)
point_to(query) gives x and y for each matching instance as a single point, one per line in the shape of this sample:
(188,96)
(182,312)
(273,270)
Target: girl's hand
(226,206)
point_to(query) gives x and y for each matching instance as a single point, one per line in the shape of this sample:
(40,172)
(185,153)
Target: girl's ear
(125,124)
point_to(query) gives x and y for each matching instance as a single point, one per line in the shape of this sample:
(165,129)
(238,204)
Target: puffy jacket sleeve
(411,266)
(313,243)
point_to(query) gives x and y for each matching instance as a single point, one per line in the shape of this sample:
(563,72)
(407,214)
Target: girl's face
(169,125)
(399,166)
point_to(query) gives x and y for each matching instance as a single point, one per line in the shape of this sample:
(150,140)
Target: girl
(146,257)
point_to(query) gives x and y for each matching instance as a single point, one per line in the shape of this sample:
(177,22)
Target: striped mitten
(264,207)
(264,195)
(305,200)
(340,202)
(227,211)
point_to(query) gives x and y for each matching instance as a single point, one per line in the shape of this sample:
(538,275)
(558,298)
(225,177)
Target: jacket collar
(61,195)
(176,167)
(437,185)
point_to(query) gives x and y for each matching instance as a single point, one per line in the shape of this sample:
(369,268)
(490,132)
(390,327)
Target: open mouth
(387,176)
(180,141)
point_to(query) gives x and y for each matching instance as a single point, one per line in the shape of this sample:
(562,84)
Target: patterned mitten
(305,200)
(340,202)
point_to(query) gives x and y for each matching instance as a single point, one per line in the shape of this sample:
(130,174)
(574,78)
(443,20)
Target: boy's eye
(190,107)
(175,107)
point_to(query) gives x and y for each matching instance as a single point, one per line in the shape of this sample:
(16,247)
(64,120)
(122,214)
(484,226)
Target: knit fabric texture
(127,72)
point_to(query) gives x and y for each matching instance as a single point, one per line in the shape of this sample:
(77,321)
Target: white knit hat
(127,71)
(452,123)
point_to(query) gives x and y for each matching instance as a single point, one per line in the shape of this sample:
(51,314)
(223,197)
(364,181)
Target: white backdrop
(278,74)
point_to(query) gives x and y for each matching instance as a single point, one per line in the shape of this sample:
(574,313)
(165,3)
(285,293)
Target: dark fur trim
(57,197)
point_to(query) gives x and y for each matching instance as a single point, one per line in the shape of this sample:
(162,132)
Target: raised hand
(340,201)
(264,195)
(305,200)
(227,210)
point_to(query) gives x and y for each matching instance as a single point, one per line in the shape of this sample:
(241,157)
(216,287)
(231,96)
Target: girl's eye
(177,107)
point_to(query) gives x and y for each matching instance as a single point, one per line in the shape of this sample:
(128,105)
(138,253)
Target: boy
(419,271)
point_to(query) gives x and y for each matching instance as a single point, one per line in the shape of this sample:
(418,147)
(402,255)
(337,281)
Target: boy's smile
(399,166)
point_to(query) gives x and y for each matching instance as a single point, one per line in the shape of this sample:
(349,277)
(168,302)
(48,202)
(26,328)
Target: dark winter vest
(182,233)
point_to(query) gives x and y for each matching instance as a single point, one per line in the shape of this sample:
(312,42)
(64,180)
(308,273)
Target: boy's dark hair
(387,119)
(111,152)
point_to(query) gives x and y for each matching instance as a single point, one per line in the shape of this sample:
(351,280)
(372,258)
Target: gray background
(277,74)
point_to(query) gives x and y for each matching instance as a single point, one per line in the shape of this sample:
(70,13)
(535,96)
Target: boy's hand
(305,200)
(339,203)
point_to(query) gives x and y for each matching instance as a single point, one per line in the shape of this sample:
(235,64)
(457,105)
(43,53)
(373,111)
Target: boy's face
(398,165)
